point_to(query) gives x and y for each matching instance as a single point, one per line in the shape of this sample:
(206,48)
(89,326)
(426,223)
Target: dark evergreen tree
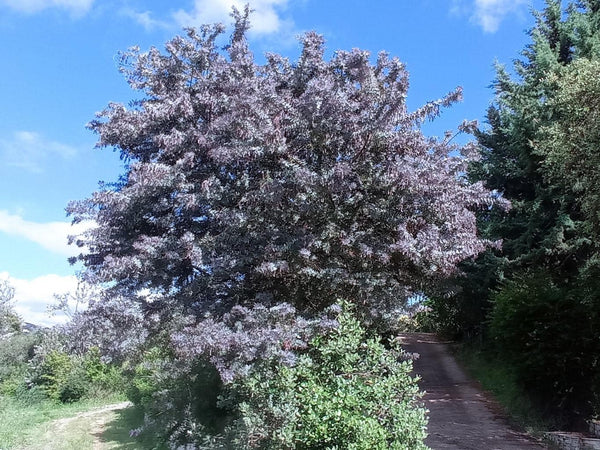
(538,230)
(546,233)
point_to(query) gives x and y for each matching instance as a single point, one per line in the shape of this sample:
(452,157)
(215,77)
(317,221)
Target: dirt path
(79,432)
(97,416)
(461,415)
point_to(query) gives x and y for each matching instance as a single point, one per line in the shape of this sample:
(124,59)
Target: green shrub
(347,392)
(10,385)
(143,382)
(102,375)
(15,352)
(67,378)
(344,390)
(29,395)
(548,333)
(54,372)
(75,385)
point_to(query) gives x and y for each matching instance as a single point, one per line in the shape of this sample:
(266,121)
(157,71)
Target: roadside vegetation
(501,380)
(45,376)
(250,268)
(534,306)
(24,425)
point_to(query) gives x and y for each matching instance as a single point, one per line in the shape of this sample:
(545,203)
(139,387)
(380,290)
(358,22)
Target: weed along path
(461,415)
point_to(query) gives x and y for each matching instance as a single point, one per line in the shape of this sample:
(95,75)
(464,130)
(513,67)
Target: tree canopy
(257,199)
(300,182)
(569,144)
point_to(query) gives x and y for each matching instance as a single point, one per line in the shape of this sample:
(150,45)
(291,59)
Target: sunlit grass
(21,424)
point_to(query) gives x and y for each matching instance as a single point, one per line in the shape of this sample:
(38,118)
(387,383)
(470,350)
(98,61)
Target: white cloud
(144,19)
(76,7)
(488,14)
(32,297)
(30,150)
(52,236)
(265,19)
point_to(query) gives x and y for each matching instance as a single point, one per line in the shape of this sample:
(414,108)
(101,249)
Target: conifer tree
(539,229)
(538,153)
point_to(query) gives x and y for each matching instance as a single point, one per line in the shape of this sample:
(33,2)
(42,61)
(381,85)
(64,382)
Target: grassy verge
(499,378)
(20,423)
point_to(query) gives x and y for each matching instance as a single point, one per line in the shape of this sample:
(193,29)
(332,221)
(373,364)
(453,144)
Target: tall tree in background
(534,288)
(537,231)
(569,144)
(9,320)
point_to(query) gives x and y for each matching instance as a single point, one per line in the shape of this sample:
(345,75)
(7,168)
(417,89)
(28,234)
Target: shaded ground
(461,415)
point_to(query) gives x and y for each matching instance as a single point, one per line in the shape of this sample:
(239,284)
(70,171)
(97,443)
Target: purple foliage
(290,183)
(256,197)
(245,336)
(115,326)
(310,181)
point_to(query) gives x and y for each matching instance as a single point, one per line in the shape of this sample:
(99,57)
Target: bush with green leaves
(180,404)
(142,378)
(15,352)
(102,374)
(54,374)
(68,377)
(551,337)
(343,389)
(347,391)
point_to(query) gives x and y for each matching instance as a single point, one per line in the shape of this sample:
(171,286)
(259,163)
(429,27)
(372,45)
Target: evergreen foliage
(539,153)
(543,229)
(540,228)
(568,145)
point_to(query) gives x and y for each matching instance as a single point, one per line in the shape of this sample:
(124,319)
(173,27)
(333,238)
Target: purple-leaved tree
(300,182)
(255,199)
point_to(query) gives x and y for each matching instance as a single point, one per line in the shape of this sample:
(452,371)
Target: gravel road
(461,415)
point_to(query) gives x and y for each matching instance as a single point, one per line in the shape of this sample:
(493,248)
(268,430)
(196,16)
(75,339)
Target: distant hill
(32,328)
(26,327)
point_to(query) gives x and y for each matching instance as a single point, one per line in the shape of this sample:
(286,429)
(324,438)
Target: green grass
(20,423)
(499,378)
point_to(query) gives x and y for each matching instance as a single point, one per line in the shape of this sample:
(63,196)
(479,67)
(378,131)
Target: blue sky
(59,68)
